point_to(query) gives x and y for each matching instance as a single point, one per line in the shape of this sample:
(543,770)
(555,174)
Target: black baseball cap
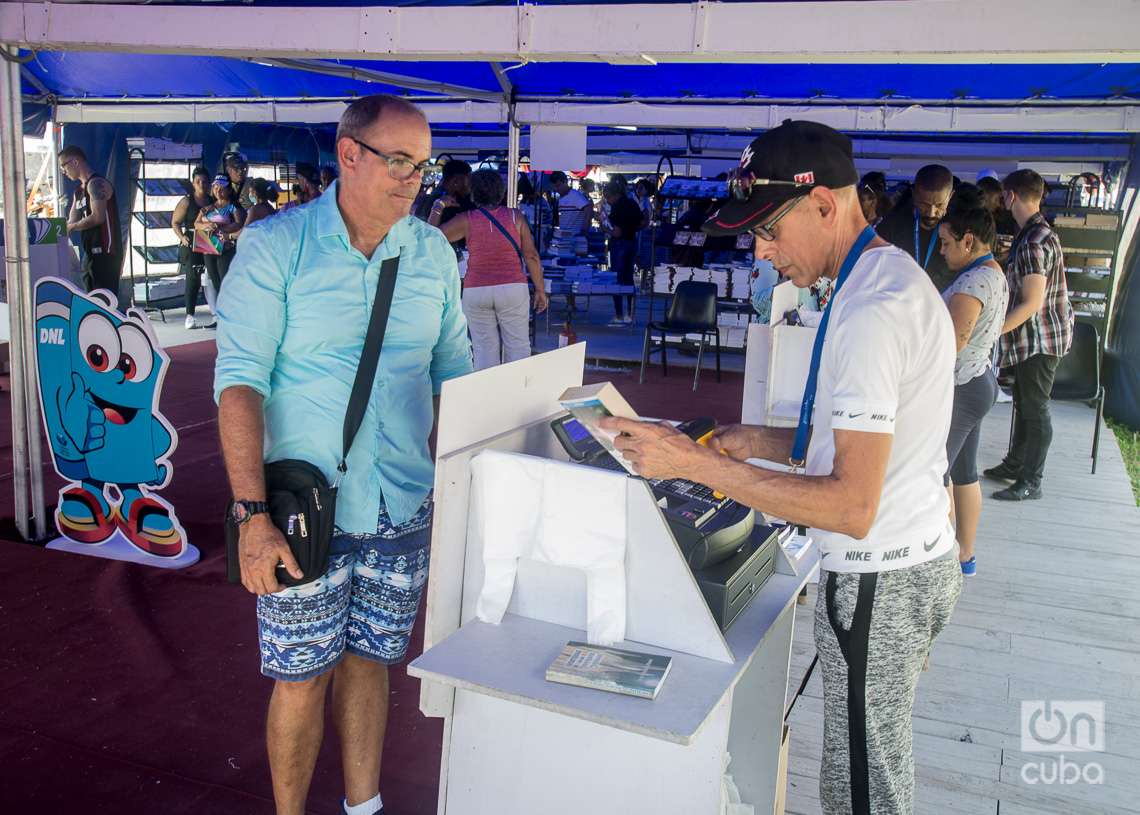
(786,162)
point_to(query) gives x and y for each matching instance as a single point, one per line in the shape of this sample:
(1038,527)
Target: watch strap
(251,508)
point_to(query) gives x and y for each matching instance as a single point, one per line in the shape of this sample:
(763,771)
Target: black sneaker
(1002,472)
(1019,491)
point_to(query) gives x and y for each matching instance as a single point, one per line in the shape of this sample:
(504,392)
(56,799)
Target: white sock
(369,807)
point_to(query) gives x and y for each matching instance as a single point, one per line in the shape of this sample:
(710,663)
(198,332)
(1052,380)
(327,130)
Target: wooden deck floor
(1053,614)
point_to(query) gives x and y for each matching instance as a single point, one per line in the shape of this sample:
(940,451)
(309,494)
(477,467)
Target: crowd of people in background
(998,264)
(985,246)
(208,220)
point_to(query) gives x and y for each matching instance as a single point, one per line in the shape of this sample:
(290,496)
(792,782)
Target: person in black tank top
(95,216)
(190,263)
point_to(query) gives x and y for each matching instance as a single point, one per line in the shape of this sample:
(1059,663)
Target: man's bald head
(382,143)
(360,116)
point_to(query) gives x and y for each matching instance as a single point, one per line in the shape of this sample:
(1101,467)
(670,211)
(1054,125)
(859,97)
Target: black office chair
(1078,377)
(693,311)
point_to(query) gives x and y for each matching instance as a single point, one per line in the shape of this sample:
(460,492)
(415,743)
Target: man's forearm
(241,424)
(90,222)
(820,501)
(1022,312)
(773,443)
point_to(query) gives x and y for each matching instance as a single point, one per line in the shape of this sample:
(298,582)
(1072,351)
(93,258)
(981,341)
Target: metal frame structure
(871,32)
(880,117)
(27,451)
(879,31)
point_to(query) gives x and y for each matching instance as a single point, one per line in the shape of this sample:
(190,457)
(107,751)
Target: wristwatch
(240,512)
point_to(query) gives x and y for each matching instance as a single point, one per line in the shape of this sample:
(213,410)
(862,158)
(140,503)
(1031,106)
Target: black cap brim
(736,217)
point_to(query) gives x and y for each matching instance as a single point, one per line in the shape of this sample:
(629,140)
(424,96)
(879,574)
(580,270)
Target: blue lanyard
(984,259)
(929,249)
(799,447)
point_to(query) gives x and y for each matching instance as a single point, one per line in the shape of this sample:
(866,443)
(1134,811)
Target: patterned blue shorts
(366,602)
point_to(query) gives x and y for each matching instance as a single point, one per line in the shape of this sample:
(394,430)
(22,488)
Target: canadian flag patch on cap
(804,178)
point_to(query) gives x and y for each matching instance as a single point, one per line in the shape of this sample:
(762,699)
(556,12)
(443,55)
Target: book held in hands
(589,403)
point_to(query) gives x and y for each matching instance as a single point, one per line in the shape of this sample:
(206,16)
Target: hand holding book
(655,449)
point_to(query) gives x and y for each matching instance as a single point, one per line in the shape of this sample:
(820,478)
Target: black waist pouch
(301,503)
(302,506)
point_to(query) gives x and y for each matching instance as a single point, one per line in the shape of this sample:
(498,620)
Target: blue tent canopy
(832,82)
(87,74)
(90,74)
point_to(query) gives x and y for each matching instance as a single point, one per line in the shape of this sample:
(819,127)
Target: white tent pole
(513,138)
(56,137)
(27,471)
(513,135)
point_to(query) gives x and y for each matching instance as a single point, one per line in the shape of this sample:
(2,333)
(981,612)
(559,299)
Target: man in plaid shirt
(1038,331)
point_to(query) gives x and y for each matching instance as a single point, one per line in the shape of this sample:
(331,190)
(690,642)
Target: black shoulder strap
(369,357)
(506,234)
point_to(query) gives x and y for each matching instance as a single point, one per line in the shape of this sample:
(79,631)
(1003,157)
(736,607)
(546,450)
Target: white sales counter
(515,743)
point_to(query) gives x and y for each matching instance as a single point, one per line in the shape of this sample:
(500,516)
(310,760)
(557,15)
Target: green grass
(1129,440)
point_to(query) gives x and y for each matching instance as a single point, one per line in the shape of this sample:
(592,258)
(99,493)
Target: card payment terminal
(709,527)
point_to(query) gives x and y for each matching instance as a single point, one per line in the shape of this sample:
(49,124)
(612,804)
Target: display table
(582,287)
(515,743)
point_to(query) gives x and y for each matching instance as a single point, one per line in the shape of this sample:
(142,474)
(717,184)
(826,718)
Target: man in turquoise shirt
(291,323)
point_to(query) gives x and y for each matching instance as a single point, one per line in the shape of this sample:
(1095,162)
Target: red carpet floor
(132,690)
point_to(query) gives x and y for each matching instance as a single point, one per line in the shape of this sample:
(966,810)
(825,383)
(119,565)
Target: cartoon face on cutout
(101,375)
(116,361)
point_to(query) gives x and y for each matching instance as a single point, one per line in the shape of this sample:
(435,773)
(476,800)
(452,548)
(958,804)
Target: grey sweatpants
(873,632)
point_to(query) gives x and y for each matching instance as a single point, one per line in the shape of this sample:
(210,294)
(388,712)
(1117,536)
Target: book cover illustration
(610,669)
(208,243)
(590,403)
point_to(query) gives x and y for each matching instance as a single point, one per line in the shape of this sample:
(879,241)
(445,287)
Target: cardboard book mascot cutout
(101,374)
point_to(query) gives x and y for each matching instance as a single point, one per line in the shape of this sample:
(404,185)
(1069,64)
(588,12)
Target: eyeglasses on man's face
(765,231)
(401,168)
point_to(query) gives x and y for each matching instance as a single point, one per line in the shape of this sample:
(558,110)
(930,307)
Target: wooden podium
(515,743)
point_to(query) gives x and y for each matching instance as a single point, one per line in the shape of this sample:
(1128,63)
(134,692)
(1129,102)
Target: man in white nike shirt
(871,482)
